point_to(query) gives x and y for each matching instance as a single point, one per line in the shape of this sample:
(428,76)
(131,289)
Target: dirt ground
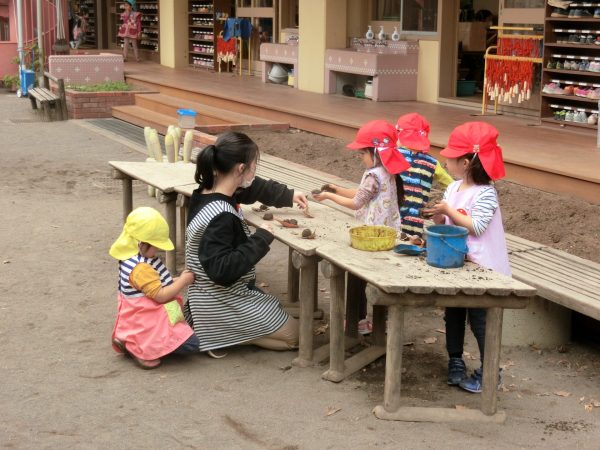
(64,387)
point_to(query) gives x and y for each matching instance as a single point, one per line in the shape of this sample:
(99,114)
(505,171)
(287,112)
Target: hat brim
(166,245)
(356,146)
(412,142)
(452,153)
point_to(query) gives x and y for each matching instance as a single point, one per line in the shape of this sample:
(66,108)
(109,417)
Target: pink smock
(489,248)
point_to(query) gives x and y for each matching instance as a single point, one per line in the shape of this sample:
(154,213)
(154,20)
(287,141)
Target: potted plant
(11,82)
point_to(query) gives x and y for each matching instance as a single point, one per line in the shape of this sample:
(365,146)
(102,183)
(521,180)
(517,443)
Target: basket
(373,238)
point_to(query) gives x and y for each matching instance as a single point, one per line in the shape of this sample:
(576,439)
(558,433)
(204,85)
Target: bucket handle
(464,252)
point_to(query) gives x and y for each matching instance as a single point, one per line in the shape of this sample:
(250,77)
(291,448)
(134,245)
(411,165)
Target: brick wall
(92,105)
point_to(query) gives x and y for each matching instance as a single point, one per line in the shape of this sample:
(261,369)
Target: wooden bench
(47,100)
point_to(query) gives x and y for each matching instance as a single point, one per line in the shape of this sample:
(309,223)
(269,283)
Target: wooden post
(336,322)
(307,266)
(127,196)
(393,362)
(63,114)
(171,214)
(293,279)
(353,286)
(491,360)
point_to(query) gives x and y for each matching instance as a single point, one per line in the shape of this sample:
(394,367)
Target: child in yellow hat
(150,322)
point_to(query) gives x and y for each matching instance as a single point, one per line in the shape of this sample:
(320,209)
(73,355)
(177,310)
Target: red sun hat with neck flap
(413,132)
(381,136)
(478,138)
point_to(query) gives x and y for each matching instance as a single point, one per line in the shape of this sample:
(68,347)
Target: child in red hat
(413,143)
(475,159)
(380,193)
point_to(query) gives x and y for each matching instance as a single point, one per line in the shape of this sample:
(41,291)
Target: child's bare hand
(437,209)
(300,199)
(321,196)
(187,276)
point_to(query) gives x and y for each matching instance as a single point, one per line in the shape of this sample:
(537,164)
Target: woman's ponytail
(205,167)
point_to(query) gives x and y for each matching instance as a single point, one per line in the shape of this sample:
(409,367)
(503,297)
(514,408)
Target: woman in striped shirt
(224,306)
(475,159)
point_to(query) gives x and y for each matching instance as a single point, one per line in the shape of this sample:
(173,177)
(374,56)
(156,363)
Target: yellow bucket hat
(143,224)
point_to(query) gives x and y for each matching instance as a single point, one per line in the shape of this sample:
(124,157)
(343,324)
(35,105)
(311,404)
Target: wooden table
(396,282)
(163,176)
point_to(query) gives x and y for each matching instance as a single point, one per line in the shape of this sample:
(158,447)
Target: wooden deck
(547,158)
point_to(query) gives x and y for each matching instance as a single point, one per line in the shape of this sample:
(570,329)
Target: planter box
(87,69)
(95,105)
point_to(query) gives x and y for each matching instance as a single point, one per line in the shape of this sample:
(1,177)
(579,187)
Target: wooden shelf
(570,98)
(574,72)
(581,46)
(567,19)
(220,8)
(564,123)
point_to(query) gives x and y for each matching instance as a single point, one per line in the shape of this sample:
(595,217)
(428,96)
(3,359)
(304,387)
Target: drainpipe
(19,4)
(40,30)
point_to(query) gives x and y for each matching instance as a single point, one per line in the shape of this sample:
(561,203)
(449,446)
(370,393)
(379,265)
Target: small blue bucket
(446,246)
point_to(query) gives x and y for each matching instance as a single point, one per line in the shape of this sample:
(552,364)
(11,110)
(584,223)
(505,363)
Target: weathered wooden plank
(561,270)
(565,297)
(421,414)
(394,273)
(553,279)
(163,176)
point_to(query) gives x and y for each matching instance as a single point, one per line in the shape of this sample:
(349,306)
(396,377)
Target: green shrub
(102,87)
(10,81)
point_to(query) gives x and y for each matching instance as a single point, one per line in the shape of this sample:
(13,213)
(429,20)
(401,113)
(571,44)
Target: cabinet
(571,67)
(205,21)
(148,43)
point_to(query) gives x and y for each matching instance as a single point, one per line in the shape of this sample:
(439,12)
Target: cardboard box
(473,36)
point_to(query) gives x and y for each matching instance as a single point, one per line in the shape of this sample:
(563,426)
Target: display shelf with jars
(205,21)
(571,71)
(90,38)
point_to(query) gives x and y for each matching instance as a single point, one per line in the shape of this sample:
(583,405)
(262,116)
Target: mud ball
(292,221)
(306,233)
(316,191)
(326,188)
(268,216)
(263,207)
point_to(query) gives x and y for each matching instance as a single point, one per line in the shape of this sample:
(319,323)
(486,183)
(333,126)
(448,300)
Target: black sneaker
(557,12)
(457,371)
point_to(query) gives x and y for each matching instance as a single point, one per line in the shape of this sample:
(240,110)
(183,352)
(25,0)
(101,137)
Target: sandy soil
(64,387)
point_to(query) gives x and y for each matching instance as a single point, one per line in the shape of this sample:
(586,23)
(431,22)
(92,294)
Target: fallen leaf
(6,261)
(440,330)
(322,329)
(589,407)
(581,399)
(430,340)
(596,403)
(460,407)
(504,388)
(508,364)
(519,396)
(562,393)
(331,410)
(284,368)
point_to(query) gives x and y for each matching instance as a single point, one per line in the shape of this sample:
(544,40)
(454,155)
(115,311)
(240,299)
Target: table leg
(127,197)
(169,199)
(491,360)
(393,362)
(353,295)
(307,266)
(182,204)
(336,322)
(293,279)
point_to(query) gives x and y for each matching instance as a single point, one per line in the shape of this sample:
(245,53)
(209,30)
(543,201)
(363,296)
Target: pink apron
(489,249)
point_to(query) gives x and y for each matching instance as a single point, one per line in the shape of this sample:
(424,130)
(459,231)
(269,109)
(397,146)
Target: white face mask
(247,183)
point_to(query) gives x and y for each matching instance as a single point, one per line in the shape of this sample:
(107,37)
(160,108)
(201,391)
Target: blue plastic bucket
(446,246)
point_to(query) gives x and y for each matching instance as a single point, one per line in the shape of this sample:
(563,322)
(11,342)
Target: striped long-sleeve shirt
(482,210)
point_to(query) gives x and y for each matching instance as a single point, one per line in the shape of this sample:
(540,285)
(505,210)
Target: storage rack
(205,22)
(92,24)
(563,42)
(148,44)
